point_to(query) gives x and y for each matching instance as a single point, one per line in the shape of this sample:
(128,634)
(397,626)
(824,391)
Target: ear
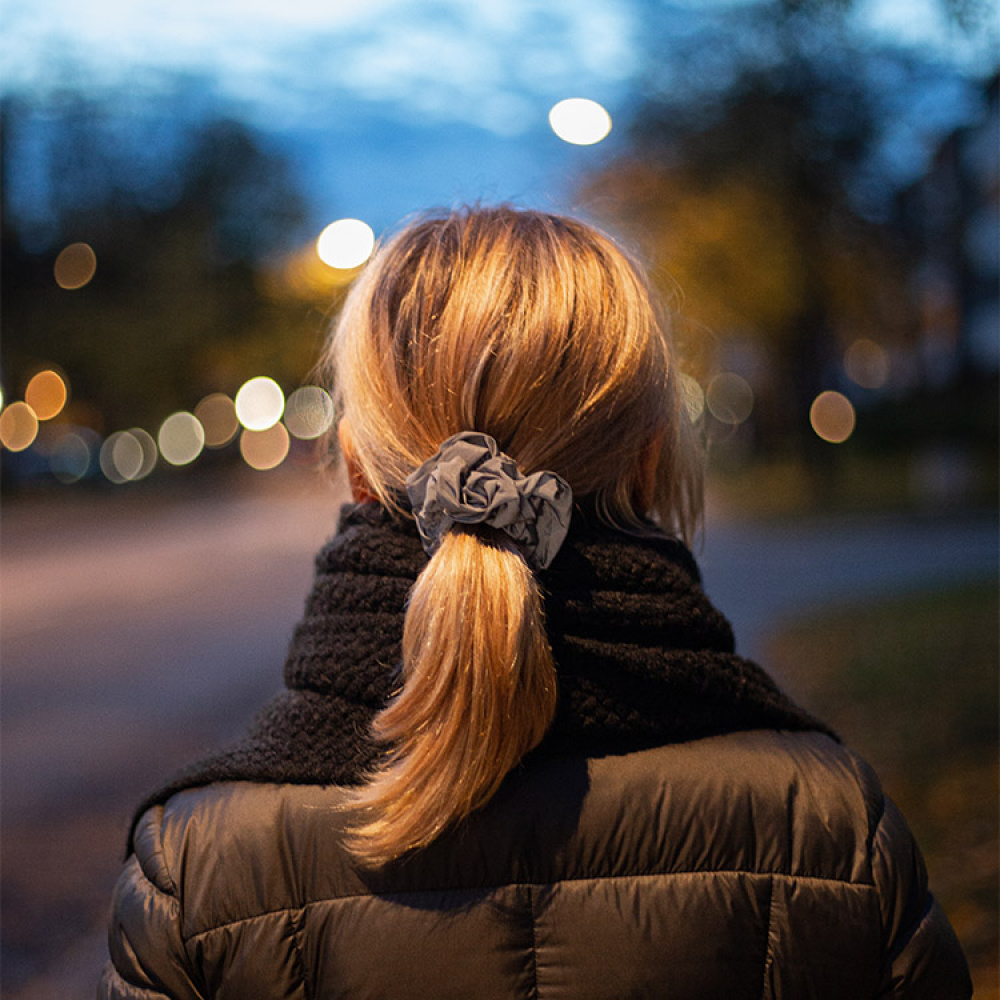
(360,490)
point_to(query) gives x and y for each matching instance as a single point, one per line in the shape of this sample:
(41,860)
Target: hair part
(540,331)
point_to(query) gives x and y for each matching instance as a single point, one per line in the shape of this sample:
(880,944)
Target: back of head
(538,331)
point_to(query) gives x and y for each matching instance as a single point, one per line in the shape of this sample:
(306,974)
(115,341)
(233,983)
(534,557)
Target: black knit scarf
(643,657)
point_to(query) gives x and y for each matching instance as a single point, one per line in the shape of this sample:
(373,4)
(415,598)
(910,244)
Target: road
(138,630)
(762,573)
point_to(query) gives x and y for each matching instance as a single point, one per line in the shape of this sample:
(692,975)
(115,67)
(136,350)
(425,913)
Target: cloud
(446,59)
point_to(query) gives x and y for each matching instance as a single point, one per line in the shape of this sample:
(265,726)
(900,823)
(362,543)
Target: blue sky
(482,63)
(386,105)
(444,60)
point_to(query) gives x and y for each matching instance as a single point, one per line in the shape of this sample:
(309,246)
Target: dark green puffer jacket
(758,865)
(684,831)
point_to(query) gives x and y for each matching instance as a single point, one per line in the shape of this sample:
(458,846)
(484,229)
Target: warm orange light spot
(46,394)
(867,363)
(832,417)
(217,414)
(75,266)
(265,449)
(18,426)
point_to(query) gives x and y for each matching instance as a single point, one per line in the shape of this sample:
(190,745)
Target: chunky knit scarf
(643,658)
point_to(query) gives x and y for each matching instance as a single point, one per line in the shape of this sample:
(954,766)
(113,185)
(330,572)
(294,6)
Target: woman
(517,756)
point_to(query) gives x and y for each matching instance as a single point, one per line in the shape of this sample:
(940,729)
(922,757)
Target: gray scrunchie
(470,481)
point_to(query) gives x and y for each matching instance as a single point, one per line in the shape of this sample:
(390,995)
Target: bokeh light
(149,452)
(181,438)
(259,403)
(217,415)
(346,243)
(75,266)
(832,417)
(18,426)
(71,455)
(693,396)
(867,364)
(127,455)
(46,394)
(729,398)
(266,449)
(580,121)
(121,456)
(309,412)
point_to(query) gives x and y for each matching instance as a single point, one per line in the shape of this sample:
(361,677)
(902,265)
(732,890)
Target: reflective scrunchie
(470,481)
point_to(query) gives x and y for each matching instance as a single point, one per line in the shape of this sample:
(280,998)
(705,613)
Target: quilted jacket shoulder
(759,865)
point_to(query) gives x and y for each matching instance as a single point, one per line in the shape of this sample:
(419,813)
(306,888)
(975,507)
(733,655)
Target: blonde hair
(539,331)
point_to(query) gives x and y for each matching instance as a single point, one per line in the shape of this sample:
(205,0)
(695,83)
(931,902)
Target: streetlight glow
(346,243)
(260,403)
(580,121)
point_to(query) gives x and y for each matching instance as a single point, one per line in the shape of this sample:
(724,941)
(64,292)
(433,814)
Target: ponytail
(479,691)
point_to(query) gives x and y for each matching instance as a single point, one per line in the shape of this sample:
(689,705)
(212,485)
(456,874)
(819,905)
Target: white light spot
(259,403)
(729,398)
(309,412)
(109,464)
(346,243)
(149,452)
(580,121)
(181,438)
(127,455)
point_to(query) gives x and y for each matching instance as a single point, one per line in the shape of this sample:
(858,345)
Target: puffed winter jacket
(683,831)
(759,864)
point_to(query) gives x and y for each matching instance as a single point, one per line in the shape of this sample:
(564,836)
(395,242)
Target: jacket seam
(865,784)
(873,835)
(873,850)
(158,856)
(861,886)
(768,956)
(534,943)
(914,929)
(296,917)
(174,897)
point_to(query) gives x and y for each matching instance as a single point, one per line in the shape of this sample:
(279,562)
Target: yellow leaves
(728,243)
(730,248)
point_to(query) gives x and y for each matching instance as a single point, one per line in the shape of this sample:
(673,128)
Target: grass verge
(911,683)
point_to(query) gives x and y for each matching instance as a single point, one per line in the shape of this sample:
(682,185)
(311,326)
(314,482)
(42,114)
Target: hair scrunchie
(470,481)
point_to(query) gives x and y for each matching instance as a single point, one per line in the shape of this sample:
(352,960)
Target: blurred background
(188,189)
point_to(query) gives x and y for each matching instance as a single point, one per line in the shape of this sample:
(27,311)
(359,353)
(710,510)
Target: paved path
(760,574)
(138,631)
(135,634)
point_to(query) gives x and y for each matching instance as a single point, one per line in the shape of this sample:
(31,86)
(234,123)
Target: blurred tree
(183,218)
(754,180)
